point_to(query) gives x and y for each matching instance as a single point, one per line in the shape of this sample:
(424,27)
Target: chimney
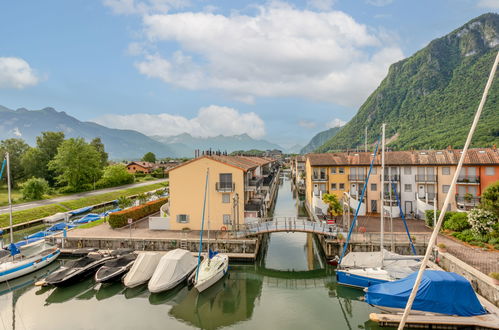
(494,147)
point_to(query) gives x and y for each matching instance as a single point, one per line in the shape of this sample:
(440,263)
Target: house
(140,167)
(240,189)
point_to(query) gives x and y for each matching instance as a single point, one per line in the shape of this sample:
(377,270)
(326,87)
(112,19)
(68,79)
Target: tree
(34,188)
(490,198)
(115,175)
(482,221)
(142,198)
(149,157)
(334,205)
(77,164)
(99,146)
(16,148)
(124,202)
(35,160)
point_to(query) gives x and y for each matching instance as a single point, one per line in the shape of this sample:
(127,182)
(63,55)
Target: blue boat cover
(60,226)
(439,292)
(88,218)
(38,234)
(80,211)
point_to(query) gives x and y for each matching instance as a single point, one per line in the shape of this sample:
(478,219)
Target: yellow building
(238,188)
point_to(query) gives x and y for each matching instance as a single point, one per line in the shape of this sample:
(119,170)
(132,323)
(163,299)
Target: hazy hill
(428,100)
(319,139)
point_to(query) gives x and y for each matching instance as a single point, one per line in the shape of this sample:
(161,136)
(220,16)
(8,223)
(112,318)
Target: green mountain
(319,139)
(429,99)
(120,144)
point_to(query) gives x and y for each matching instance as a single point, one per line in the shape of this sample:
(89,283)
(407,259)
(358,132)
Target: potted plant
(468,197)
(442,248)
(341,238)
(495,277)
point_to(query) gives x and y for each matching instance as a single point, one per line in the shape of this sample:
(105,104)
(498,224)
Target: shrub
(494,275)
(34,188)
(124,202)
(120,219)
(142,198)
(490,198)
(115,175)
(465,236)
(457,222)
(482,221)
(429,217)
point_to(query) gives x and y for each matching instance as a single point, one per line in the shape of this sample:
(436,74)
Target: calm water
(288,288)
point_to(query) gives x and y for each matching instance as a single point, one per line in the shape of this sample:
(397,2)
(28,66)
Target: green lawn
(43,211)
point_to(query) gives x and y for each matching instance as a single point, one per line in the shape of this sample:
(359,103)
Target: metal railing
(255,182)
(431,196)
(287,224)
(426,178)
(468,179)
(319,178)
(357,177)
(467,200)
(393,177)
(225,186)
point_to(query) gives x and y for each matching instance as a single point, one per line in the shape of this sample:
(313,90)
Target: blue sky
(277,70)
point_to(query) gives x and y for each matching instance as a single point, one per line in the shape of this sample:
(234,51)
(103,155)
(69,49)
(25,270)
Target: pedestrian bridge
(287,224)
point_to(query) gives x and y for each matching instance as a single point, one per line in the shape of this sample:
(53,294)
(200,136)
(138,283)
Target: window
(407,187)
(407,170)
(182,218)
(374,187)
(323,174)
(445,170)
(227,219)
(226,180)
(225,198)
(445,188)
(333,186)
(373,170)
(490,171)
(333,170)
(341,170)
(342,186)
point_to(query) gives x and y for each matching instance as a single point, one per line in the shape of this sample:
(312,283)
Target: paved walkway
(29,205)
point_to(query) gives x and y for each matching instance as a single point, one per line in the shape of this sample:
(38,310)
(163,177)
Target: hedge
(120,219)
(430,213)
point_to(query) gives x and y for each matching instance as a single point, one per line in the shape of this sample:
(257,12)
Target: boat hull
(115,276)
(204,282)
(79,275)
(170,285)
(28,265)
(356,281)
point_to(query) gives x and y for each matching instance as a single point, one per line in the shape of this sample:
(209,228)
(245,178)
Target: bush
(120,219)
(35,188)
(115,175)
(465,236)
(482,221)
(429,217)
(458,222)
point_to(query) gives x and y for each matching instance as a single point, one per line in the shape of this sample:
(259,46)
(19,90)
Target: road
(29,205)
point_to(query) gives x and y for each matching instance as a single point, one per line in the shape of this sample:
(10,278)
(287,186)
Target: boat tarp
(143,268)
(80,211)
(373,259)
(60,226)
(173,266)
(439,292)
(91,217)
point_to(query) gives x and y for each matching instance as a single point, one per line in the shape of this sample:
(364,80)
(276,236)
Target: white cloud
(279,52)
(321,4)
(379,3)
(128,7)
(307,124)
(16,73)
(335,123)
(491,4)
(210,121)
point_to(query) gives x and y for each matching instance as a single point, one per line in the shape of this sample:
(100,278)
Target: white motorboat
(142,270)
(173,268)
(211,270)
(60,216)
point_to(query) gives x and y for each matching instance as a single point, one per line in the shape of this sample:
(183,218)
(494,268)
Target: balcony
(225,186)
(467,200)
(428,178)
(431,197)
(254,184)
(391,178)
(468,180)
(392,198)
(319,178)
(357,177)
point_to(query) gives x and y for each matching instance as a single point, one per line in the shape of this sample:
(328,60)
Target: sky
(276,70)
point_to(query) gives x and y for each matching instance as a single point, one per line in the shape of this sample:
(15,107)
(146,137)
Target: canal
(290,287)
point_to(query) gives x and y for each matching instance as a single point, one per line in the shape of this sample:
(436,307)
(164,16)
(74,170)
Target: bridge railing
(288,224)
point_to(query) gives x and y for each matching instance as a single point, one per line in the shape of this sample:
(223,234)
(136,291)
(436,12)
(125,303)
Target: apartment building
(240,189)
(413,180)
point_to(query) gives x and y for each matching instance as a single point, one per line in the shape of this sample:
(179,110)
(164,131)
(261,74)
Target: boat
(440,293)
(114,270)
(211,269)
(362,269)
(76,270)
(26,257)
(81,211)
(106,213)
(91,217)
(60,226)
(60,216)
(173,268)
(142,269)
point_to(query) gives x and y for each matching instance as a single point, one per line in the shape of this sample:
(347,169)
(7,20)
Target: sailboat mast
(382,220)
(208,209)
(10,199)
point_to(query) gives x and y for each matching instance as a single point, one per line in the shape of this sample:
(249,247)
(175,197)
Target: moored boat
(173,268)
(211,270)
(91,217)
(142,270)
(113,270)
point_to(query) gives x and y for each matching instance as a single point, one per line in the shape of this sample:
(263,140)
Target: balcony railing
(225,186)
(255,182)
(357,177)
(467,200)
(431,196)
(393,197)
(426,178)
(393,177)
(319,178)
(469,179)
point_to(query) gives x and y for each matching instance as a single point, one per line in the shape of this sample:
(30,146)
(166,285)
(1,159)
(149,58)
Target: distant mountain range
(183,145)
(319,139)
(120,144)
(429,99)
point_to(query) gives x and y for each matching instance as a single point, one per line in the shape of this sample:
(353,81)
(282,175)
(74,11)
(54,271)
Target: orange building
(140,167)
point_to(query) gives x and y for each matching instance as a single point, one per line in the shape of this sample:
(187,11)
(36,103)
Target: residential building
(240,189)
(140,167)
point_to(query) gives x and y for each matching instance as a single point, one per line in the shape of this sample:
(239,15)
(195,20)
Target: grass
(17,196)
(93,224)
(46,210)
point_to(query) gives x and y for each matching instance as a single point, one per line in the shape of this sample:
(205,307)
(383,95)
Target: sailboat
(213,268)
(30,257)
(362,269)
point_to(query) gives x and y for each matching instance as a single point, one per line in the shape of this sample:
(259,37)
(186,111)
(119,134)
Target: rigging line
(403,219)
(359,204)
(202,225)
(434,234)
